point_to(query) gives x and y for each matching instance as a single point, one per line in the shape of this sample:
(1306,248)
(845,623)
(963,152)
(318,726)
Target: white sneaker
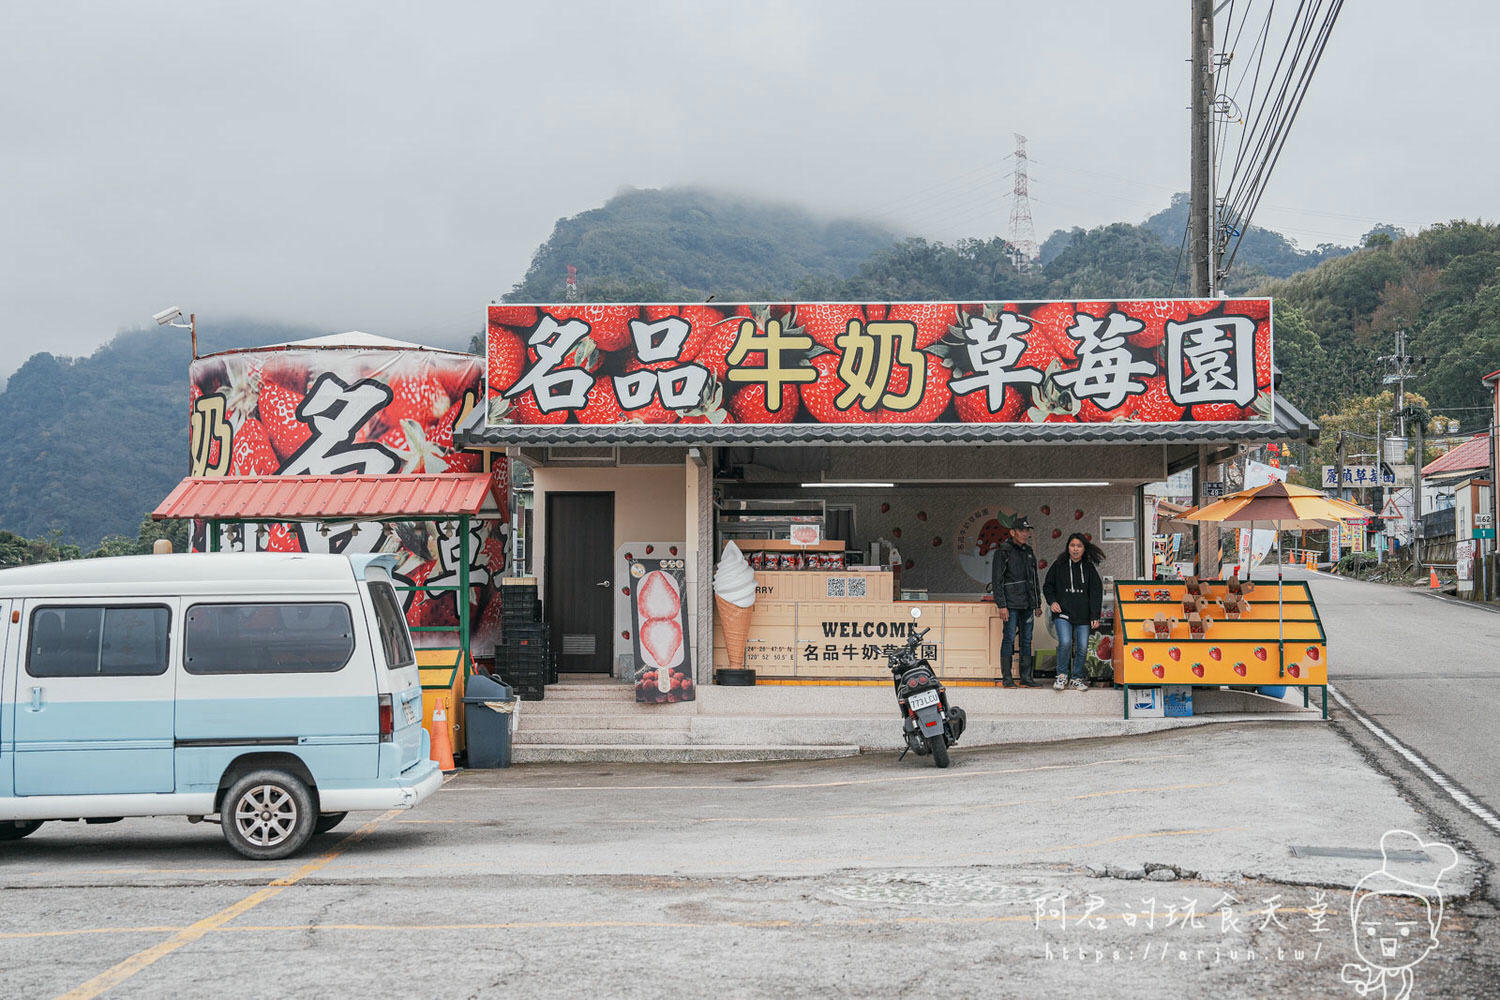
(1060,683)
(1080,685)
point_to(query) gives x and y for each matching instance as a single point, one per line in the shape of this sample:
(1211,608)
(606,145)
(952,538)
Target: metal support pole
(1416,489)
(462,598)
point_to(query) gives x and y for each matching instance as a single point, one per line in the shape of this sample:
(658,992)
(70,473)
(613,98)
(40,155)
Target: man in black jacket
(1013,579)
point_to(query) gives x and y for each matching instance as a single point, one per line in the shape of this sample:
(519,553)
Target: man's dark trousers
(1020,621)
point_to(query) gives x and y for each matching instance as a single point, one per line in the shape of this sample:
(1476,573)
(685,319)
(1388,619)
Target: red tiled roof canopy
(278,498)
(1472,454)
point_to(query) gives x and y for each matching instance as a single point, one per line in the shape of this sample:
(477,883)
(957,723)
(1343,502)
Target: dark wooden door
(580,588)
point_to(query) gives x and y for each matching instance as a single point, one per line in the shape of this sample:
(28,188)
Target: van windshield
(394,639)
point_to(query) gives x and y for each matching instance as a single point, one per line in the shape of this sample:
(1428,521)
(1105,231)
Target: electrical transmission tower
(1022,234)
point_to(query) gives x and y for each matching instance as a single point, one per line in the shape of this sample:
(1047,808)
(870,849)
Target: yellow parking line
(1029,916)
(949,857)
(969,807)
(116,975)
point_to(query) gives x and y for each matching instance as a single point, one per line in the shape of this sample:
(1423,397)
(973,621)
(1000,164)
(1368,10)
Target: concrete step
(563,735)
(578,753)
(593,706)
(591,692)
(579,721)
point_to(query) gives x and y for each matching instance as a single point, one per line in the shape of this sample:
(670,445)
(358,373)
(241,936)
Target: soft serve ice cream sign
(734,599)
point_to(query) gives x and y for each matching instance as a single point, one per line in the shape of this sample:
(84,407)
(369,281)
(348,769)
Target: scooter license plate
(922,699)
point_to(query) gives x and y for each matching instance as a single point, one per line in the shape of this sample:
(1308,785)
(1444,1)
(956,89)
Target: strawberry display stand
(1217,650)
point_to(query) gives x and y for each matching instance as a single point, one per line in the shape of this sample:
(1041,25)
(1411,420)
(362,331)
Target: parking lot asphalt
(1126,866)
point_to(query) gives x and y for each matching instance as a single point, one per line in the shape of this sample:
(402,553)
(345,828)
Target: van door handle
(603,583)
(36,700)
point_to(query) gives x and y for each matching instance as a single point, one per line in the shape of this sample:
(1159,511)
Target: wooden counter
(815,638)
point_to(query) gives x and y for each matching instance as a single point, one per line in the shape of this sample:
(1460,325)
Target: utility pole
(1200,189)
(1405,368)
(1200,230)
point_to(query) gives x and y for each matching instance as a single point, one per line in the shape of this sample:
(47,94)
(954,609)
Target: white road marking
(1478,809)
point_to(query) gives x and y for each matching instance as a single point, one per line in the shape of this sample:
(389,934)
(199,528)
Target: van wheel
(16,829)
(267,815)
(327,821)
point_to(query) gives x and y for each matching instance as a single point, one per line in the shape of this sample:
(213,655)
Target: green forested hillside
(92,444)
(687,243)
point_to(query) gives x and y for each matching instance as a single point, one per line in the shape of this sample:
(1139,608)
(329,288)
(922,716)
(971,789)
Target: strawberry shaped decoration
(1197,669)
(1313,653)
(1159,670)
(1175,653)
(1138,653)
(1239,668)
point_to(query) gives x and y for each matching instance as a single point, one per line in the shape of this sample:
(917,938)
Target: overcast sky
(391,167)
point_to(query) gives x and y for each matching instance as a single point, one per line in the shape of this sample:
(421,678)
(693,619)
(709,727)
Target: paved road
(1152,866)
(1426,670)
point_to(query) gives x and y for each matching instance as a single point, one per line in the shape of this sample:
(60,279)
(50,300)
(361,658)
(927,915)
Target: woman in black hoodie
(1075,593)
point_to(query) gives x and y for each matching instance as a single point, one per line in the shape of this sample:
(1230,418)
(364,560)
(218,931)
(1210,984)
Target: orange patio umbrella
(1283,505)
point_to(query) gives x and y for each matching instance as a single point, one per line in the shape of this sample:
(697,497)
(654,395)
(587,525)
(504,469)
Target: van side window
(395,641)
(98,641)
(267,638)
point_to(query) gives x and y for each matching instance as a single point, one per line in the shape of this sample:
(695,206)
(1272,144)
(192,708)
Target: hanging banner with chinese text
(357,410)
(1157,361)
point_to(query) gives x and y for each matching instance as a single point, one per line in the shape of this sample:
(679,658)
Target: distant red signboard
(1157,361)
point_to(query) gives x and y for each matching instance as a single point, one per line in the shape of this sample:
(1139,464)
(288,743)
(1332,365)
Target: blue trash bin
(489,706)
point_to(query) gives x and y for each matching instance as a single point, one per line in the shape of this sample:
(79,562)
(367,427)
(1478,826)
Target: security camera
(167,315)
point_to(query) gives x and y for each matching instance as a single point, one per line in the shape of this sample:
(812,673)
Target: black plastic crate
(519,599)
(514,633)
(535,670)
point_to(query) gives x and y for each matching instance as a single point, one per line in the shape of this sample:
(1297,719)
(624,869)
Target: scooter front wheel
(939,747)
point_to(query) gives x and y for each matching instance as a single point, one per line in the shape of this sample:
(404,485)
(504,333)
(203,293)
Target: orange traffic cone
(442,746)
(1432,580)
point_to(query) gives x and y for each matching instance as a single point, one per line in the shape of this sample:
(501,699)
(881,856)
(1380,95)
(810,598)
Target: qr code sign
(843,586)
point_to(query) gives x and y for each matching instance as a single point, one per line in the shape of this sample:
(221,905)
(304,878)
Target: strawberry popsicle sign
(1144,361)
(659,616)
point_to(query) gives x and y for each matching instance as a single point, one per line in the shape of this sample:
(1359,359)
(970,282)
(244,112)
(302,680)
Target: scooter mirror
(916,612)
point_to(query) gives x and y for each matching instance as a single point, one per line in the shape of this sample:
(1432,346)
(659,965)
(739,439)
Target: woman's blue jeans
(1072,648)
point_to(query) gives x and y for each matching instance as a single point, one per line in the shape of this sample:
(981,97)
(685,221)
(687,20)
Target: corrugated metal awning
(327,498)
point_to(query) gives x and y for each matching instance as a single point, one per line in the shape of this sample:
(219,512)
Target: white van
(276,691)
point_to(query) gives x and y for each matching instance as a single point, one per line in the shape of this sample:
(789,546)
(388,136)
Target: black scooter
(929,724)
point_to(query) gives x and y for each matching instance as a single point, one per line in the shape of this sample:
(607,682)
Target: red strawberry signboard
(354,410)
(1171,360)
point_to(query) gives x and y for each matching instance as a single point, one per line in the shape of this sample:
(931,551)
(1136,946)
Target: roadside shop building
(866,455)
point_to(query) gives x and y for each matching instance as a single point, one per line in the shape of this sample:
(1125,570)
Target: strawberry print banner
(354,411)
(873,363)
